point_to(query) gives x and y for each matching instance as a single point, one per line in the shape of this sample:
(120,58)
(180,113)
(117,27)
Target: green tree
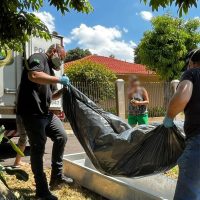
(163,49)
(92,74)
(136,56)
(76,54)
(183,5)
(17,23)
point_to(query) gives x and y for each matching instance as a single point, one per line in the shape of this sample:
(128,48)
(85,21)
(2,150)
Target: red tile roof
(117,66)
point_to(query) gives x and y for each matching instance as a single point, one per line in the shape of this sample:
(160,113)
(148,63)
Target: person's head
(193,59)
(134,82)
(57,55)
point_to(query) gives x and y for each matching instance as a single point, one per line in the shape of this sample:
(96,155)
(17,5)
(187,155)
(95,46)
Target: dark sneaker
(47,197)
(58,183)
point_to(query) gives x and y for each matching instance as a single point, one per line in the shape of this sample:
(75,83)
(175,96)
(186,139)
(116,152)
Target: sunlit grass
(26,189)
(173,173)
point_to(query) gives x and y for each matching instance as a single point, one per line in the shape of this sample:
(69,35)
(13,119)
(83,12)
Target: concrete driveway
(7,155)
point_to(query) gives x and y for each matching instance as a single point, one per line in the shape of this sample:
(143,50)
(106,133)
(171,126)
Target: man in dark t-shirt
(187,98)
(37,89)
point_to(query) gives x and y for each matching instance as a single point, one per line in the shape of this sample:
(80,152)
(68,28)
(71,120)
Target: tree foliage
(89,72)
(76,54)
(17,23)
(163,49)
(183,5)
(136,56)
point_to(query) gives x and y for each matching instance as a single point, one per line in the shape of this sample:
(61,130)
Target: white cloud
(103,41)
(133,44)
(66,40)
(146,15)
(125,30)
(47,19)
(197,17)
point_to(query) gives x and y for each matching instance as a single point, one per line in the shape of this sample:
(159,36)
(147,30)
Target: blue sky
(114,27)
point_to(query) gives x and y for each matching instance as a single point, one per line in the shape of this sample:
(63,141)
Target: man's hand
(168,122)
(64,80)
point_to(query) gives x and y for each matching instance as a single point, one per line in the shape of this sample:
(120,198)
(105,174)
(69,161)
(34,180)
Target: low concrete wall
(156,187)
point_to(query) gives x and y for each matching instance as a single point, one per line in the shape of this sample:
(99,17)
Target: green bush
(112,110)
(94,79)
(157,111)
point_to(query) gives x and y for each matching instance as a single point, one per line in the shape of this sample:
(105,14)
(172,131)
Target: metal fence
(97,93)
(159,96)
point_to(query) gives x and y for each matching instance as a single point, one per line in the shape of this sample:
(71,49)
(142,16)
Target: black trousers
(38,128)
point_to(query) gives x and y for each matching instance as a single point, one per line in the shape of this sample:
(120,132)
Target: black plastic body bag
(113,146)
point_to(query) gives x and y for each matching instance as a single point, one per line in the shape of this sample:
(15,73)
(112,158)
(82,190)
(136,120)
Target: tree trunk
(5,193)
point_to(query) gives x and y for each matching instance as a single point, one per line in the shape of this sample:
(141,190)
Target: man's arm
(180,99)
(36,71)
(42,78)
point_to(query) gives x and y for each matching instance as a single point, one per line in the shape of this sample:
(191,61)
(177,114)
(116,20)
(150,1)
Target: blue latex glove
(168,122)
(64,80)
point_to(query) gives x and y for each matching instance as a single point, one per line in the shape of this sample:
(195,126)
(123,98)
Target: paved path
(7,155)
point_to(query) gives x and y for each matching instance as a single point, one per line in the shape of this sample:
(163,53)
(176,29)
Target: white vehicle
(10,76)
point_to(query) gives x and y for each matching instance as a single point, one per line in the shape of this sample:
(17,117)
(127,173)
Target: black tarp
(113,146)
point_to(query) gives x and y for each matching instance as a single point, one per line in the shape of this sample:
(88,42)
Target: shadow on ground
(28,193)
(7,152)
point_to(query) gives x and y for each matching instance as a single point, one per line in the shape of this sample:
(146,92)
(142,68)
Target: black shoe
(59,182)
(47,197)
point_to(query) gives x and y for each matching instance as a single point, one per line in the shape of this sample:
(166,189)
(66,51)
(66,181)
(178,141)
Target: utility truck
(10,76)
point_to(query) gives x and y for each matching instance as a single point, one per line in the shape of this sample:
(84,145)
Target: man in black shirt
(37,89)
(187,98)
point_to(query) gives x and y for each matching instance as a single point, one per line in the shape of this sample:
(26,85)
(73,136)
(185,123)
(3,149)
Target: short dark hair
(195,58)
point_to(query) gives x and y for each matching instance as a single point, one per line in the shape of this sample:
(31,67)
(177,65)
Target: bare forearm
(180,99)
(42,78)
(142,103)
(57,95)
(176,106)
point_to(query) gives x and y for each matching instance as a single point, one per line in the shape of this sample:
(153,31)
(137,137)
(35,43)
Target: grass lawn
(26,189)
(75,192)
(173,173)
